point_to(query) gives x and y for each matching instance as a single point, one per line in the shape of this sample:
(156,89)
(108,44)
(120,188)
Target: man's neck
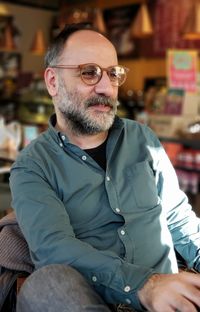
(84,141)
(87,141)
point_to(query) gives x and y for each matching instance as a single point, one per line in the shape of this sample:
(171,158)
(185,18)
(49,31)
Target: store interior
(152,39)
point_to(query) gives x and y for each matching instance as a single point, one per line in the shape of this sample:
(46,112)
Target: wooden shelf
(8,155)
(195,144)
(187,168)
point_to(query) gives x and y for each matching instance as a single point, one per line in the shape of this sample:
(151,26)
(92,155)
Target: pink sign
(182,69)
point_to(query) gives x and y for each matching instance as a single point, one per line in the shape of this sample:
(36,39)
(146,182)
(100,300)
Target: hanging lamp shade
(3,10)
(191,28)
(142,25)
(99,21)
(7,42)
(38,46)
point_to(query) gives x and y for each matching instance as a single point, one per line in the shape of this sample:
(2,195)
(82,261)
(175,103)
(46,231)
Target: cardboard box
(170,126)
(191,104)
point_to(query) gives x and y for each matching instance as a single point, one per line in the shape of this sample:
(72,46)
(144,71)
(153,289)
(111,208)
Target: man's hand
(171,292)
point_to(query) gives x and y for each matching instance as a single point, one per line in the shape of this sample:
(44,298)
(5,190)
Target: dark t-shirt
(99,154)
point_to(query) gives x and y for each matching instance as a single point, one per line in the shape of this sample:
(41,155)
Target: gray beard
(81,124)
(78,119)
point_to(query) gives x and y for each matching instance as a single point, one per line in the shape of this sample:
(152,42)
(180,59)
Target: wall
(143,68)
(28,20)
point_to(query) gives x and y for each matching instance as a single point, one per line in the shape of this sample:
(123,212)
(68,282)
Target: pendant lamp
(3,10)
(142,25)
(191,28)
(38,46)
(7,41)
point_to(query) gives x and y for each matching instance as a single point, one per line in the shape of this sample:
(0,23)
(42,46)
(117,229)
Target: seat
(15,261)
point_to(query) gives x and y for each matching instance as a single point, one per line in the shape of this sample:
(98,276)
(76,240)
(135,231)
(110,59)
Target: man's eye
(89,73)
(113,74)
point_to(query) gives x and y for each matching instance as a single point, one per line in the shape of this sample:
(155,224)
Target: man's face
(89,115)
(86,109)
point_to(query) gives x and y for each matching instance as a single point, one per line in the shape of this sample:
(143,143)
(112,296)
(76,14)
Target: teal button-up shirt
(117,227)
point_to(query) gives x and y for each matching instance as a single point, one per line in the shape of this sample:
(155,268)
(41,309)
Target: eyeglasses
(91,73)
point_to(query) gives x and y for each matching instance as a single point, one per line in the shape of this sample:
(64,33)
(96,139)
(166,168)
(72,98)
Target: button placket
(84,157)
(94,278)
(128,300)
(123,232)
(127,288)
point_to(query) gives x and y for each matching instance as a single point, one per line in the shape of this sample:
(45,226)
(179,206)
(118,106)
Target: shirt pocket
(142,181)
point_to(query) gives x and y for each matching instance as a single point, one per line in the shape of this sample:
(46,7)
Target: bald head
(78,39)
(88,46)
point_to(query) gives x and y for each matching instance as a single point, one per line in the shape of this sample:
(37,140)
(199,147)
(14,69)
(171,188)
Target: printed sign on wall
(182,69)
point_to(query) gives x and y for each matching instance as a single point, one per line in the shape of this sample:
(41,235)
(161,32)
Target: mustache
(101,100)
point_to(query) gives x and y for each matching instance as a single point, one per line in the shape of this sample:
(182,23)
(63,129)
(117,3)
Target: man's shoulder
(131,122)
(37,148)
(134,125)
(138,131)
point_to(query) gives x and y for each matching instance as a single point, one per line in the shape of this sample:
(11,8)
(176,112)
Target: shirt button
(108,178)
(128,301)
(84,157)
(117,210)
(123,232)
(127,288)
(63,137)
(94,278)
(61,145)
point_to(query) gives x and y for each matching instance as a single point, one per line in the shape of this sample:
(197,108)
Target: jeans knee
(58,287)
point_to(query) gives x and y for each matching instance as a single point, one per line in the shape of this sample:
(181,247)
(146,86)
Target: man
(97,198)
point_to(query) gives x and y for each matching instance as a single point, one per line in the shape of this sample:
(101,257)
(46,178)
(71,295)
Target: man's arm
(175,292)
(182,222)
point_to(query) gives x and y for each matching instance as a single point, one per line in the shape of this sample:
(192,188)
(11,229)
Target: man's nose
(104,86)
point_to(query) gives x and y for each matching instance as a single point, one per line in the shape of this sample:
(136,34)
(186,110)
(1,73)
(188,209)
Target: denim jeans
(59,288)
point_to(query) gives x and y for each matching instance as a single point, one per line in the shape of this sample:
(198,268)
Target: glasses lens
(117,75)
(91,74)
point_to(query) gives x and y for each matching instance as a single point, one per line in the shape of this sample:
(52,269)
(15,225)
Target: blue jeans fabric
(58,288)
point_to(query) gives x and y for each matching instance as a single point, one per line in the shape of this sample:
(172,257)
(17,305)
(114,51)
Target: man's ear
(50,78)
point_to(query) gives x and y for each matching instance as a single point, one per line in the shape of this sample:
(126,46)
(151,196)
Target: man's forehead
(86,36)
(88,46)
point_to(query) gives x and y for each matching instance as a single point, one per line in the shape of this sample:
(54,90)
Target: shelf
(187,169)
(195,144)
(8,155)
(4,169)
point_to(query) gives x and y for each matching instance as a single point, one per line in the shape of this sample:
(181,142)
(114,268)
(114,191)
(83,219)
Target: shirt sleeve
(46,226)
(183,223)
